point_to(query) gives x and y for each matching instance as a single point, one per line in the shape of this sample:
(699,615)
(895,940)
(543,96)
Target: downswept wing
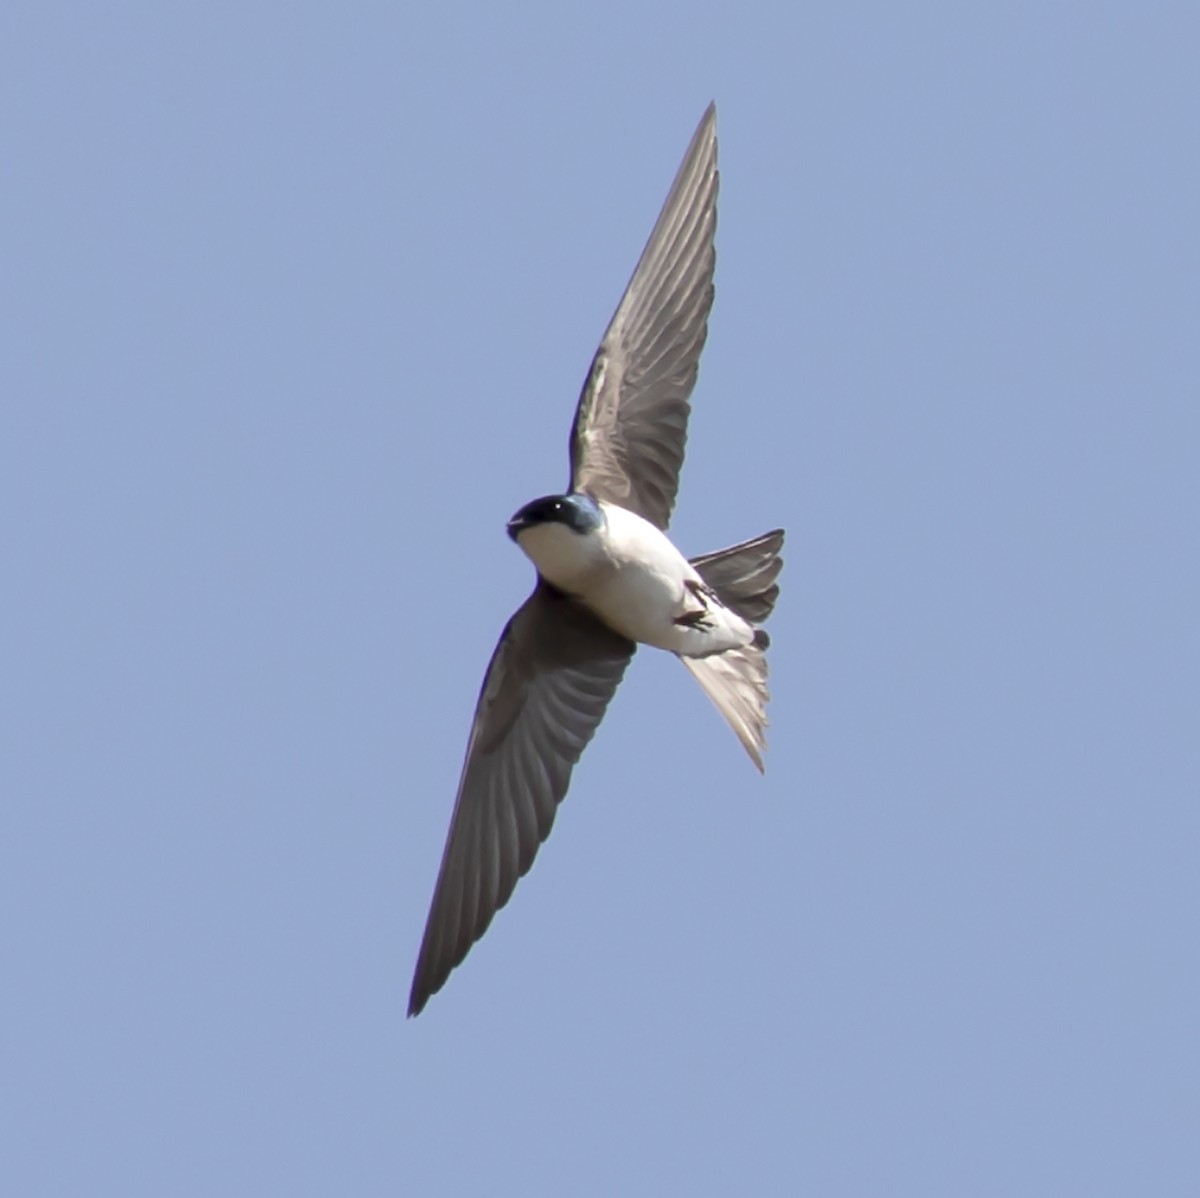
(630,427)
(551,678)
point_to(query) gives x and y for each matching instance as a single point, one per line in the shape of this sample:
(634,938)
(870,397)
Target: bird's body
(609,579)
(630,574)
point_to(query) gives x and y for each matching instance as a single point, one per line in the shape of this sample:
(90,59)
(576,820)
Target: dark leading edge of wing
(631,423)
(552,675)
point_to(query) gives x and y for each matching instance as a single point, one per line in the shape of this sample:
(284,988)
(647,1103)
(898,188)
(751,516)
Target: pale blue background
(296,304)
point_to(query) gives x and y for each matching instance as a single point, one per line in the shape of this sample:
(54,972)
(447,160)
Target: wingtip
(416,1002)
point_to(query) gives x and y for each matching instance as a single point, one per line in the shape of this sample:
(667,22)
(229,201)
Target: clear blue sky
(296,305)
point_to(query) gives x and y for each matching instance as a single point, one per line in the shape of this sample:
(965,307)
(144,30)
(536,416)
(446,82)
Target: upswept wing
(630,428)
(550,679)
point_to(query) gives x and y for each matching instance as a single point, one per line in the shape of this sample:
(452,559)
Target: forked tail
(743,576)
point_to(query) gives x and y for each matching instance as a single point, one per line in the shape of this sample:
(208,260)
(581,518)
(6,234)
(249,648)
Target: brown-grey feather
(550,679)
(743,577)
(630,429)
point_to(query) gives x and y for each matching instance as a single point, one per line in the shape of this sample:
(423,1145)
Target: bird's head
(580,513)
(555,531)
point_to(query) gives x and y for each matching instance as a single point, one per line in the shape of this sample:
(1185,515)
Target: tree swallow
(608,579)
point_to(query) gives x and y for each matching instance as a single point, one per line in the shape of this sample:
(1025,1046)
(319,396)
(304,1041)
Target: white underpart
(630,575)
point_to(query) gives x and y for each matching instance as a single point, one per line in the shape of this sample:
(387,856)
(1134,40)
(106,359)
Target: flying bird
(608,579)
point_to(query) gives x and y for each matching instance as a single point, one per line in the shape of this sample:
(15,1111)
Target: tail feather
(736,681)
(743,576)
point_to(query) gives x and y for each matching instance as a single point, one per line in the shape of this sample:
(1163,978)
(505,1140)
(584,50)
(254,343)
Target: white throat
(566,558)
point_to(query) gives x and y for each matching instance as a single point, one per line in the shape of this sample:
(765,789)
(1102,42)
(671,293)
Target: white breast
(645,591)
